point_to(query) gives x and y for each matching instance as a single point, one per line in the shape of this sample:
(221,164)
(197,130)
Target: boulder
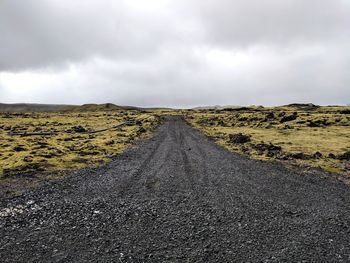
(313,124)
(291,117)
(19,148)
(317,155)
(300,156)
(345,156)
(78,129)
(239,138)
(267,147)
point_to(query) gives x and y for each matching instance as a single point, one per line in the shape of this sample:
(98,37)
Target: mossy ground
(325,130)
(67,149)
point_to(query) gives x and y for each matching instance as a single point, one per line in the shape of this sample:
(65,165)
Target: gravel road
(178,197)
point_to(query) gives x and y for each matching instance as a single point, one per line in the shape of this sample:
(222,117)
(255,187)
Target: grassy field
(301,134)
(58,141)
(41,142)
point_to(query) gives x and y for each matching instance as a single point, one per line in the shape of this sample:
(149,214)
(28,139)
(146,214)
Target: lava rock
(332,155)
(19,148)
(109,142)
(317,155)
(267,147)
(345,111)
(78,129)
(141,130)
(313,124)
(221,123)
(291,117)
(300,156)
(239,138)
(270,115)
(344,156)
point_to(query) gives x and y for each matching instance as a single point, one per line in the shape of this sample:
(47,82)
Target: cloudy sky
(175,52)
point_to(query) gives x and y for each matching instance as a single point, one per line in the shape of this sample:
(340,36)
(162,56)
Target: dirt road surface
(178,197)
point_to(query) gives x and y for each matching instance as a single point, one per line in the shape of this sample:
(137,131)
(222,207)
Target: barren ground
(178,197)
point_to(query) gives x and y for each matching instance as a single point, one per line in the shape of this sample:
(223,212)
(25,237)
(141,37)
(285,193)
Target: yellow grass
(67,150)
(293,136)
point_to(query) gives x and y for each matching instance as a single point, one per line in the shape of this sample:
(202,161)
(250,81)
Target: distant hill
(32,107)
(29,107)
(99,107)
(226,107)
(215,107)
(303,106)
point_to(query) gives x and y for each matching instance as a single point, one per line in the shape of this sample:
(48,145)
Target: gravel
(178,197)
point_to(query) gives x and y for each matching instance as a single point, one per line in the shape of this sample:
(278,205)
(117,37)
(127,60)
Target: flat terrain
(179,197)
(36,142)
(304,135)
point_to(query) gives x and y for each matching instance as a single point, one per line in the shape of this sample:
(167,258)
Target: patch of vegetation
(32,142)
(304,134)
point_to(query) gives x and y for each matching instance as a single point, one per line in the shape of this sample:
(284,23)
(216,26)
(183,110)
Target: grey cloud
(274,22)
(175,53)
(41,33)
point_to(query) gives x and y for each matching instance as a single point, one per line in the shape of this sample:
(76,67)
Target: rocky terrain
(305,135)
(179,197)
(36,142)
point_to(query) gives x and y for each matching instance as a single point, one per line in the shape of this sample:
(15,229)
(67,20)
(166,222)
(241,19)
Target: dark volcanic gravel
(178,197)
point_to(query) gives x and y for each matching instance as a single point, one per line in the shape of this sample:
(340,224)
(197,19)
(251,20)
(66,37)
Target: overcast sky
(175,52)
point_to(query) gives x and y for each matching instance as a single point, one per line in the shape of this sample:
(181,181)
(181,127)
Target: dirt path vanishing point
(178,197)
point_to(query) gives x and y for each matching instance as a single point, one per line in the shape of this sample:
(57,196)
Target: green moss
(331,136)
(67,150)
